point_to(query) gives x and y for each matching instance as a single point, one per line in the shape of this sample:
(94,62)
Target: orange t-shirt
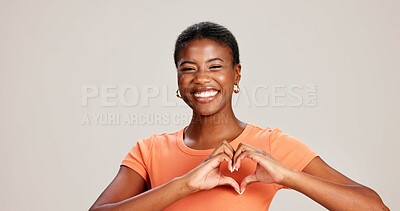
(162,157)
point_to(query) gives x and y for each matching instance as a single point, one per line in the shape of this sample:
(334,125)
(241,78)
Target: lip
(202,89)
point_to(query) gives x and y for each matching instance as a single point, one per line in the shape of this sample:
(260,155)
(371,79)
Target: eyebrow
(214,59)
(210,60)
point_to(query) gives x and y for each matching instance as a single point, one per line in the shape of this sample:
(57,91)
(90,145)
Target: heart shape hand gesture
(208,174)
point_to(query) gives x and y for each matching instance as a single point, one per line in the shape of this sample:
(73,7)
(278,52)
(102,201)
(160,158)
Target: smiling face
(206,75)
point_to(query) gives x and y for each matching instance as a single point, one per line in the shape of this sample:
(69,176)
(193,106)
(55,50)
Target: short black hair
(208,30)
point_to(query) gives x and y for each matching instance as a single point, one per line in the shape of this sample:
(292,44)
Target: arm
(318,181)
(331,189)
(128,190)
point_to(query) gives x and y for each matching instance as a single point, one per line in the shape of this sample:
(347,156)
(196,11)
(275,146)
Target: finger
(230,165)
(246,147)
(243,155)
(237,152)
(218,159)
(228,145)
(224,147)
(245,150)
(241,149)
(229,181)
(246,181)
(228,149)
(228,152)
(229,161)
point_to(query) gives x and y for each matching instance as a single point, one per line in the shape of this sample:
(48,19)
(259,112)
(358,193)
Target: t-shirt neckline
(182,146)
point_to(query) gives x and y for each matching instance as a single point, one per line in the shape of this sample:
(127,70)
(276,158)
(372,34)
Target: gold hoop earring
(236,88)
(178,94)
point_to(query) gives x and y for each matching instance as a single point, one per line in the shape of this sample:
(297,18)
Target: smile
(203,94)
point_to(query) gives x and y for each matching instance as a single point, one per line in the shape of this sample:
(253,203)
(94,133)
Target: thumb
(246,181)
(229,181)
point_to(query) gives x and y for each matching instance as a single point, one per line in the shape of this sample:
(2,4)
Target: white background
(50,49)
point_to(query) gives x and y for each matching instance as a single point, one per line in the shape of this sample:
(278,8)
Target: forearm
(334,196)
(154,199)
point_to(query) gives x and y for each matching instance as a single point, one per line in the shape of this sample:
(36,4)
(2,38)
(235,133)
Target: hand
(268,170)
(208,174)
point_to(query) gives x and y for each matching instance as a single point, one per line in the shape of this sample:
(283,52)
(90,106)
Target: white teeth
(210,93)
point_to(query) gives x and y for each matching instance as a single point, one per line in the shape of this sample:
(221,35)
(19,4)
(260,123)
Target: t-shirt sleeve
(138,157)
(290,151)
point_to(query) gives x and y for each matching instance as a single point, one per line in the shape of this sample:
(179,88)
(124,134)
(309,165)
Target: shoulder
(159,139)
(144,148)
(273,135)
(264,133)
(277,140)
(260,137)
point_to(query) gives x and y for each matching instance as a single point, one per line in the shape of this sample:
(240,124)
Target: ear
(237,69)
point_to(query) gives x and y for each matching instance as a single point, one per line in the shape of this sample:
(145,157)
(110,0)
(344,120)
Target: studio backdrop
(82,81)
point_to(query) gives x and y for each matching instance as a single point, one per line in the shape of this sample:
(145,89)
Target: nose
(202,77)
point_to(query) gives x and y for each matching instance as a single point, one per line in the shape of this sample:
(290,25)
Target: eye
(187,69)
(216,67)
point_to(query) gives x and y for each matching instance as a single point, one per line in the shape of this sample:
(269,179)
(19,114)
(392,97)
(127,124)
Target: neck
(207,132)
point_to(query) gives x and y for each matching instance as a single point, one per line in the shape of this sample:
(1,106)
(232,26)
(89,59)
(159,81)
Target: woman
(212,163)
